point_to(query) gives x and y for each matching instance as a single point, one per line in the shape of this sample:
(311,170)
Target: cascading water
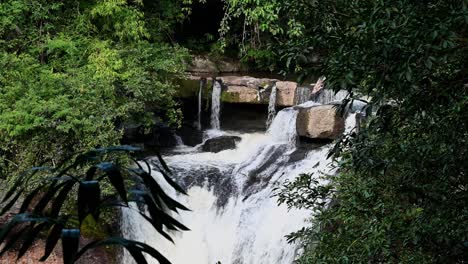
(202,83)
(215,105)
(327,96)
(271,106)
(302,94)
(234,218)
(283,128)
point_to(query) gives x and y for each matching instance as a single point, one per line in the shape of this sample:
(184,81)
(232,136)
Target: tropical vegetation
(73,73)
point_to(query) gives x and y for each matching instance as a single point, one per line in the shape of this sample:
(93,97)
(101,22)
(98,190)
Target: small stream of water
(216,105)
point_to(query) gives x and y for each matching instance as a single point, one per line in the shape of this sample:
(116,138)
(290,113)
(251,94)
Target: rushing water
(200,89)
(271,106)
(216,105)
(327,96)
(234,218)
(302,94)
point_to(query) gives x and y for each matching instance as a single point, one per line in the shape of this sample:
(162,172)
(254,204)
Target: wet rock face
(245,89)
(160,135)
(221,143)
(190,135)
(320,122)
(247,81)
(251,90)
(240,94)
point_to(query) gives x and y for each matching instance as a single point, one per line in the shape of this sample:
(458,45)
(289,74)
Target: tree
(44,208)
(75,72)
(401,190)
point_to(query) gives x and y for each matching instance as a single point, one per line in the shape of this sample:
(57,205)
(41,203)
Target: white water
(200,104)
(283,127)
(302,95)
(327,96)
(271,106)
(179,140)
(215,105)
(234,218)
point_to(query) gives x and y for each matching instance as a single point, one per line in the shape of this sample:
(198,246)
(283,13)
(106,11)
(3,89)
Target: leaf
(159,215)
(46,198)
(157,192)
(20,180)
(408,75)
(21,218)
(158,226)
(30,237)
(89,198)
(135,248)
(90,173)
(52,240)
(29,198)
(12,241)
(60,199)
(115,178)
(153,252)
(70,243)
(163,163)
(428,63)
(11,203)
(170,181)
(137,255)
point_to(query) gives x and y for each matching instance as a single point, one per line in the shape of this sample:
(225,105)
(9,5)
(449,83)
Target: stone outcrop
(245,89)
(251,82)
(320,122)
(220,143)
(249,90)
(240,94)
(286,93)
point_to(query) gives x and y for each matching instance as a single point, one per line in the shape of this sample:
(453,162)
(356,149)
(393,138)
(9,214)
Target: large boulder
(240,94)
(220,143)
(160,136)
(247,81)
(286,92)
(320,122)
(191,136)
(245,89)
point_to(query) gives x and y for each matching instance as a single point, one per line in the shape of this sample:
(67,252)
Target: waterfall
(302,95)
(271,106)
(234,219)
(216,105)
(202,83)
(179,140)
(283,127)
(327,96)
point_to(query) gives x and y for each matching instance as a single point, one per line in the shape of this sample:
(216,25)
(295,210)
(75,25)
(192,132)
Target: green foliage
(73,73)
(401,190)
(43,208)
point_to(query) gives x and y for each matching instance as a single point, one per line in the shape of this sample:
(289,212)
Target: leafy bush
(73,74)
(400,193)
